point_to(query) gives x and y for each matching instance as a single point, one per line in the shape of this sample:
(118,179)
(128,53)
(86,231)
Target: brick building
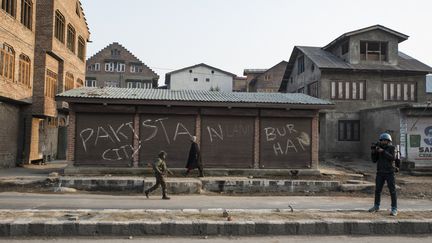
(17,48)
(115,66)
(266,80)
(42,56)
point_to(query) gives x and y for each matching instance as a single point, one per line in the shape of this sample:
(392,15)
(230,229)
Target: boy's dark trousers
(381,178)
(160,180)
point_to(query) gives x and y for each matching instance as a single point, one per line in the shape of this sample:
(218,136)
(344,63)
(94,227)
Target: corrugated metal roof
(325,59)
(191,96)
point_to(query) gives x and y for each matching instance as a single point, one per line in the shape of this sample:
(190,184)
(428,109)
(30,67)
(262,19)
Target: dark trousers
(160,181)
(200,169)
(381,178)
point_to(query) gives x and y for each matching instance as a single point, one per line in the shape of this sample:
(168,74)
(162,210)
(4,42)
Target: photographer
(383,153)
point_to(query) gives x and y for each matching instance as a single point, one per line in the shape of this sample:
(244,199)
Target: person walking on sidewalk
(383,153)
(194,159)
(160,171)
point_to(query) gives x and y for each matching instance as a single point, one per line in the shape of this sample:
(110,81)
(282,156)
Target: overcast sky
(237,34)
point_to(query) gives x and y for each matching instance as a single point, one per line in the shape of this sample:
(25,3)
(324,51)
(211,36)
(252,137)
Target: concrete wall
(126,57)
(311,74)
(184,80)
(9,120)
(419,140)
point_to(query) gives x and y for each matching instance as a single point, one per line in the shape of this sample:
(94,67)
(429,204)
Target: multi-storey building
(17,48)
(360,70)
(266,80)
(200,77)
(42,54)
(115,66)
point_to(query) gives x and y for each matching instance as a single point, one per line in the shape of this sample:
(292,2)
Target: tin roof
(106,93)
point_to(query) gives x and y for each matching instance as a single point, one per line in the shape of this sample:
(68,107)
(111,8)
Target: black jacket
(385,160)
(194,159)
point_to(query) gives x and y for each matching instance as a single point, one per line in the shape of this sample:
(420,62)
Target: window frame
(27,13)
(348,95)
(9,6)
(24,73)
(59,26)
(355,137)
(406,88)
(71,38)
(51,82)
(69,81)
(7,62)
(300,64)
(81,48)
(316,86)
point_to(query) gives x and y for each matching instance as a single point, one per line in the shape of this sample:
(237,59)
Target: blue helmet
(385,136)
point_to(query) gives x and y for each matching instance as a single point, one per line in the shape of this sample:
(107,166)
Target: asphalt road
(278,239)
(13,200)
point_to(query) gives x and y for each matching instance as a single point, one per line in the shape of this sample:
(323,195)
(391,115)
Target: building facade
(267,80)
(115,66)
(43,54)
(200,77)
(360,70)
(17,49)
(113,127)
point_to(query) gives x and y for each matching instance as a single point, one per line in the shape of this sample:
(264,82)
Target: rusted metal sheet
(170,133)
(104,139)
(227,142)
(285,143)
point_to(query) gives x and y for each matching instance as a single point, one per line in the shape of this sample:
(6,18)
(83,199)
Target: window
(97,66)
(90,83)
(345,48)
(80,83)
(50,84)
(373,51)
(115,52)
(136,69)
(121,67)
(300,65)
(71,38)
(207,80)
(136,85)
(24,70)
(348,90)
(77,9)
(27,13)
(7,61)
(399,91)
(81,48)
(301,90)
(113,84)
(59,31)
(349,130)
(195,79)
(9,6)
(313,89)
(109,67)
(69,81)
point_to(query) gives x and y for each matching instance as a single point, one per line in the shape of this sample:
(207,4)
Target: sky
(234,35)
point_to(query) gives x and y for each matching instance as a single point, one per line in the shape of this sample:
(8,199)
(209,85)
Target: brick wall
(9,122)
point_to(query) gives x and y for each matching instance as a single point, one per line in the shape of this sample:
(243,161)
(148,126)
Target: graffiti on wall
(286,139)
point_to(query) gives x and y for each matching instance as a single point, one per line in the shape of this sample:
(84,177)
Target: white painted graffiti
(219,133)
(286,139)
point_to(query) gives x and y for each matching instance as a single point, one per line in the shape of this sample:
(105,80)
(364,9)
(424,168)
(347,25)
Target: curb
(219,228)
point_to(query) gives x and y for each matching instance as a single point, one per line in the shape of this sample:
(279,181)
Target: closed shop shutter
(170,133)
(104,139)
(227,142)
(285,143)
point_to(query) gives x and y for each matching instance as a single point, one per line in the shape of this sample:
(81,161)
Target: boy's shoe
(166,198)
(373,209)
(146,194)
(394,212)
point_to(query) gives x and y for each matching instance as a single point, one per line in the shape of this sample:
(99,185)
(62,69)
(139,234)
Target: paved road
(279,239)
(13,200)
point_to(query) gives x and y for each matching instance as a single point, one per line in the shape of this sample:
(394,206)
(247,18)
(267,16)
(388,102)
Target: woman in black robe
(194,159)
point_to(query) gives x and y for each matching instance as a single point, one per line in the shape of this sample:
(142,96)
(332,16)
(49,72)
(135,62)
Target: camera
(375,146)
